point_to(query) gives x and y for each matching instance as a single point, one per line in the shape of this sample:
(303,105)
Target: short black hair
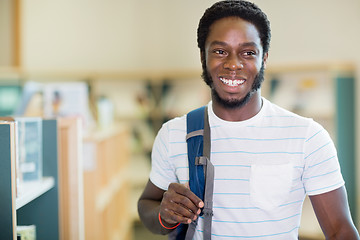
(243,9)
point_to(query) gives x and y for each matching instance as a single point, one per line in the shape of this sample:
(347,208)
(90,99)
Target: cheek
(254,67)
(213,66)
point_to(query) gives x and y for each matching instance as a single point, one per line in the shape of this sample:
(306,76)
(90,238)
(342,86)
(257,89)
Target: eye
(249,53)
(219,52)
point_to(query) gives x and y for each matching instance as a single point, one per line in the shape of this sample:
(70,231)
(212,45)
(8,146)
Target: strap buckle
(207,212)
(201,160)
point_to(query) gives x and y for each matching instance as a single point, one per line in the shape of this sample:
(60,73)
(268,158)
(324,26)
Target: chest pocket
(270,184)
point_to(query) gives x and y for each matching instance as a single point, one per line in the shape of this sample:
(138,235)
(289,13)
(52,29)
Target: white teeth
(232,83)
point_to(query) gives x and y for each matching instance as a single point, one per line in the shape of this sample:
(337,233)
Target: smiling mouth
(232,83)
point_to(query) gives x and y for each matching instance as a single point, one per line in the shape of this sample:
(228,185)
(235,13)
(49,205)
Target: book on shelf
(26,232)
(68,99)
(29,143)
(26,143)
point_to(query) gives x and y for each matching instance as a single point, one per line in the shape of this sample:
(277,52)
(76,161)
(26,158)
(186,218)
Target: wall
(6,37)
(160,34)
(110,35)
(313,31)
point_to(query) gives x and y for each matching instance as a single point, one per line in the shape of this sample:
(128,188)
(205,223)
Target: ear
(266,55)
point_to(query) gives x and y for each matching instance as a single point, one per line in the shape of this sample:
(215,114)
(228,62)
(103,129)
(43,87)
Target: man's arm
(176,205)
(333,214)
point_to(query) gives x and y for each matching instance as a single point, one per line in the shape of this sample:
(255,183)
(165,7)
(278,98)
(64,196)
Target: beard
(233,103)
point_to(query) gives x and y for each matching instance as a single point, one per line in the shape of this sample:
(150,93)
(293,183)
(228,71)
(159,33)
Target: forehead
(234,29)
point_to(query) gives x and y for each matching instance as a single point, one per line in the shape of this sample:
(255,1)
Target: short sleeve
(322,169)
(162,171)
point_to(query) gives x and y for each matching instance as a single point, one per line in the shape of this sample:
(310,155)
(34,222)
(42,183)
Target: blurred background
(122,68)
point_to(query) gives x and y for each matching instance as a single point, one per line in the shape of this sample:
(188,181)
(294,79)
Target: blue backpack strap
(194,138)
(201,170)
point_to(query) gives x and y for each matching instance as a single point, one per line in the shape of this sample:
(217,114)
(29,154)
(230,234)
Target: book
(29,148)
(26,232)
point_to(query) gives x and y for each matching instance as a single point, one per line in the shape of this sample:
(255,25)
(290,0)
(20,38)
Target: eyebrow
(246,44)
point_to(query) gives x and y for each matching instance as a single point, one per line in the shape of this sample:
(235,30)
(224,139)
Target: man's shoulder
(176,124)
(276,110)
(286,116)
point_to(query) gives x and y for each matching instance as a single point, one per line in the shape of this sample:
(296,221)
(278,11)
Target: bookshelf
(34,190)
(106,185)
(71,191)
(38,205)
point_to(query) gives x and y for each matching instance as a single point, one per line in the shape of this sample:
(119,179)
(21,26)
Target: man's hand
(176,205)
(180,205)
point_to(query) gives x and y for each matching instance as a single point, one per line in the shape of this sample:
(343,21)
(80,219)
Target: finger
(179,204)
(176,217)
(185,191)
(189,209)
(201,203)
(173,216)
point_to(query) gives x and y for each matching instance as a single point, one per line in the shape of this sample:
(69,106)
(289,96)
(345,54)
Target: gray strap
(191,230)
(195,133)
(206,138)
(209,180)
(208,205)
(209,184)
(208,199)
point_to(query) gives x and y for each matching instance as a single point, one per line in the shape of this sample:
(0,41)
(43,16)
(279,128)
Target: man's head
(239,8)
(243,11)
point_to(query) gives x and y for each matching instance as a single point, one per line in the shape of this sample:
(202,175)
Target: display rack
(39,204)
(71,191)
(106,185)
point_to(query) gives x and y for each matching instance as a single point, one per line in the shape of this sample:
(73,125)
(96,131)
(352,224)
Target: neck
(249,110)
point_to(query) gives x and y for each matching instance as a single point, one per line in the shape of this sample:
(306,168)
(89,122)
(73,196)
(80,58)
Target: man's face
(234,61)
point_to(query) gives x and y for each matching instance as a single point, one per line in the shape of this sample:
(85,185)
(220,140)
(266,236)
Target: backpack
(201,170)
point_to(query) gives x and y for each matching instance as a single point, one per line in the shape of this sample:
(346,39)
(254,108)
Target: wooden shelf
(32,190)
(139,171)
(107,184)
(108,193)
(71,195)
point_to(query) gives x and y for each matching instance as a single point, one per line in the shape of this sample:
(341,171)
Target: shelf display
(38,205)
(106,185)
(29,151)
(71,191)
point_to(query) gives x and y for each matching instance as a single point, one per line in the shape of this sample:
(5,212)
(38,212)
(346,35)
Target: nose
(233,64)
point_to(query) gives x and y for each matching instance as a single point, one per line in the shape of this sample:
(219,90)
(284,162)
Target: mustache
(259,78)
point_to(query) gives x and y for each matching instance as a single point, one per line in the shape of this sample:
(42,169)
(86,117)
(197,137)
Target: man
(266,159)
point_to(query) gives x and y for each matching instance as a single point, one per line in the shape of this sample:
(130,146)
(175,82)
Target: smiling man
(265,158)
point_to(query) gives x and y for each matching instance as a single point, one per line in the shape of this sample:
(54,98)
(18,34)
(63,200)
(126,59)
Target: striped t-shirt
(264,167)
